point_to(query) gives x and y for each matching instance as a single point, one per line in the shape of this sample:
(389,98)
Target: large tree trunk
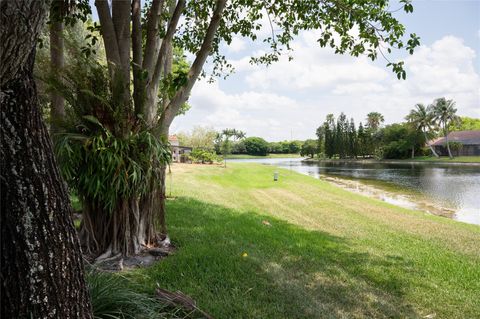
(431,147)
(42,269)
(57,61)
(448,144)
(41,261)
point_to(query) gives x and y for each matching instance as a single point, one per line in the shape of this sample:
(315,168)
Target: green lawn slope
(246,156)
(249,247)
(457,159)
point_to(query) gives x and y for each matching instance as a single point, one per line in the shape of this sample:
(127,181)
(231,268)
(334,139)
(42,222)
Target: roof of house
(172,138)
(464,137)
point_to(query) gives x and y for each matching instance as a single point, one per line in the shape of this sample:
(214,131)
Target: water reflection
(453,186)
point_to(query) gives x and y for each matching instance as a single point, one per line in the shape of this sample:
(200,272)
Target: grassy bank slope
(246,156)
(326,253)
(458,159)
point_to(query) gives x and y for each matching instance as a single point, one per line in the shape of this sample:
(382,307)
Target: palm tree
(224,139)
(374,119)
(444,112)
(423,119)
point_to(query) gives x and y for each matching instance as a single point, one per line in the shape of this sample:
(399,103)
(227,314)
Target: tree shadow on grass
(235,266)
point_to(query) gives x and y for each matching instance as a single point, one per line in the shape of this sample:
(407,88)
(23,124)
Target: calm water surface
(455,186)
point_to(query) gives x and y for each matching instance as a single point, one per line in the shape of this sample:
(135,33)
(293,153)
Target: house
(178,152)
(470,141)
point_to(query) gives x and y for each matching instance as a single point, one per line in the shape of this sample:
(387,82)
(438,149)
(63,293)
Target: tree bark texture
(448,147)
(57,61)
(41,262)
(429,145)
(446,141)
(138,82)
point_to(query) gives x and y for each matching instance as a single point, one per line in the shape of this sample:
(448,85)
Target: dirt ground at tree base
(120,263)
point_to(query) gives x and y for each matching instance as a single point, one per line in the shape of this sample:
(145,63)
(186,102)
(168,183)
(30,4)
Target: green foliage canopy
(256,146)
(397,140)
(200,137)
(309,148)
(466,124)
(355,27)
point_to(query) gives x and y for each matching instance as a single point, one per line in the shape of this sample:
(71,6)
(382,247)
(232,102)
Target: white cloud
(237,45)
(312,68)
(445,67)
(253,112)
(271,102)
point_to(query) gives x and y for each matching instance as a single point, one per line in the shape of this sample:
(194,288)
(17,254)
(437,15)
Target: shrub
(239,147)
(455,147)
(256,146)
(309,148)
(204,157)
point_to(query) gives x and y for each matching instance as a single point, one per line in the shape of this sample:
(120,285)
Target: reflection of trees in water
(450,186)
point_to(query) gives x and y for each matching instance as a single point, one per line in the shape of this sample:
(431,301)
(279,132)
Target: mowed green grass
(458,159)
(324,253)
(246,156)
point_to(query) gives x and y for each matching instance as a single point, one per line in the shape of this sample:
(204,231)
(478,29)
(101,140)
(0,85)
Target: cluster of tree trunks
(130,228)
(126,231)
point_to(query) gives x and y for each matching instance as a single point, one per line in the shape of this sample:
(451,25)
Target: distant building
(178,152)
(470,141)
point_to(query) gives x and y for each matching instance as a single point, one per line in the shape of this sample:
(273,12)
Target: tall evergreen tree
(329,128)
(352,139)
(341,140)
(321,139)
(362,140)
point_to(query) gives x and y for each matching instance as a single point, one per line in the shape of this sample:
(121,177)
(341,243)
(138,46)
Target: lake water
(453,186)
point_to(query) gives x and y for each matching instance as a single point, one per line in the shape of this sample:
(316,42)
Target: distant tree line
(341,138)
(232,141)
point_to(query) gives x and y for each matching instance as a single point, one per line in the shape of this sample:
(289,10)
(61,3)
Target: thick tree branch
(172,26)
(182,95)
(137,32)
(138,88)
(121,22)
(108,34)
(167,69)
(152,84)
(152,42)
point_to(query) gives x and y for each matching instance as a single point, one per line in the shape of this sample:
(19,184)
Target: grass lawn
(245,156)
(249,247)
(458,159)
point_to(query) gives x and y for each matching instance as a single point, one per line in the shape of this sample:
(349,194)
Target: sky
(290,99)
